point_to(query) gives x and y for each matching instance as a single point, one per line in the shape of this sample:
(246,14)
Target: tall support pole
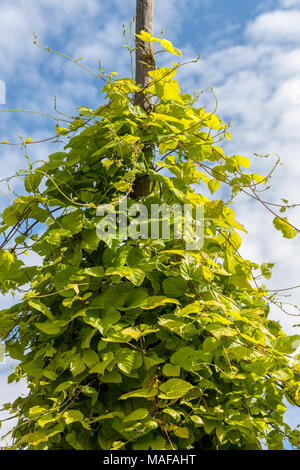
(144,56)
(144,63)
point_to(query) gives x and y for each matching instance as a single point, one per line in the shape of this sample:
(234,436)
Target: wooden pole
(144,62)
(144,56)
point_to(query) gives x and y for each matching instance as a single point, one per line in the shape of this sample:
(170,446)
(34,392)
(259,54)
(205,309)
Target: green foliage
(282,224)
(141,344)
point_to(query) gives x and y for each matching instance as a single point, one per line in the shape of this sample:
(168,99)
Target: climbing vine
(132,343)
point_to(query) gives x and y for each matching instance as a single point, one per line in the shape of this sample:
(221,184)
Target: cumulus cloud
(276,27)
(289,3)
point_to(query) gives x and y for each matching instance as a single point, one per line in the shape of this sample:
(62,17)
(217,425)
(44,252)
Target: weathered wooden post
(144,56)
(144,61)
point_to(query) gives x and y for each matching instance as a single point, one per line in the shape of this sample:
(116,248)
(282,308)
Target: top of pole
(144,54)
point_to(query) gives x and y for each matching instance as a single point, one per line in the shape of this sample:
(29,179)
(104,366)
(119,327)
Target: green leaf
(145,36)
(126,359)
(77,365)
(168,46)
(63,386)
(142,392)
(210,344)
(190,269)
(157,301)
(90,357)
(197,420)
(35,438)
(135,257)
(99,367)
(89,333)
(37,411)
(111,377)
(85,111)
(136,276)
(219,330)
(159,443)
(171,371)
(175,286)
(175,414)
(71,222)
(287,344)
(96,271)
(213,185)
(46,419)
(285,228)
(2,352)
(32,182)
(132,333)
(274,441)
(89,240)
(71,438)
(190,359)
(37,305)
(174,388)
(151,359)
(242,161)
(49,374)
(137,415)
(266,270)
(183,433)
(71,416)
(194,307)
(53,327)
(282,374)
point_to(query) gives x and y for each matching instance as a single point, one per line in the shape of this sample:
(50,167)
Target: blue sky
(250,54)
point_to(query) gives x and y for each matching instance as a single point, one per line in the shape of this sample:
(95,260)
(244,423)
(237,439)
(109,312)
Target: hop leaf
(284,226)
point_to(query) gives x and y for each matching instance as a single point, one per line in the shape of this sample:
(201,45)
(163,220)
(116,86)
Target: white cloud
(289,3)
(276,27)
